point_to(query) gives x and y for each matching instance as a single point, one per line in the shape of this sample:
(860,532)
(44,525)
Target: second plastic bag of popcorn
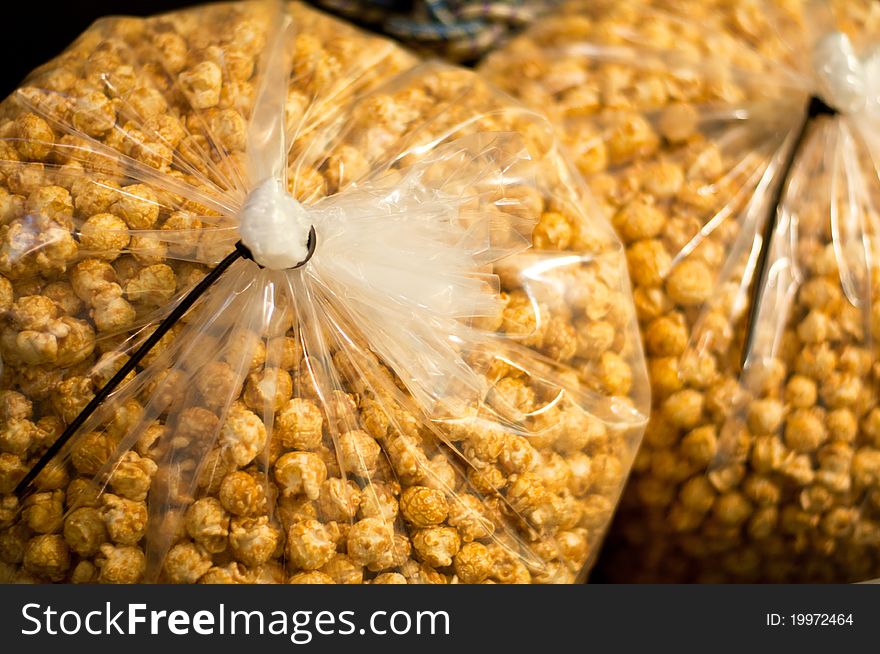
(735,146)
(274,310)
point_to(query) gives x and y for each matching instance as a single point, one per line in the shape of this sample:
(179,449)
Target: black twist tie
(310,245)
(245,252)
(815,108)
(101,396)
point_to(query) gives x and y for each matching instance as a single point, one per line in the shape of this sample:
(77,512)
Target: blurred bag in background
(735,145)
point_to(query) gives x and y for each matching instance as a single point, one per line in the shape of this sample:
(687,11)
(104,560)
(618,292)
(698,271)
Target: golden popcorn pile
(450,389)
(685,116)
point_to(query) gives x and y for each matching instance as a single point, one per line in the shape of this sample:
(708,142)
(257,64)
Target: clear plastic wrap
(395,375)
(735,146)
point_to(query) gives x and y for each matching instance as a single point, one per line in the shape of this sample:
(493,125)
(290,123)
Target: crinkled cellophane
(309,425)
(680,113)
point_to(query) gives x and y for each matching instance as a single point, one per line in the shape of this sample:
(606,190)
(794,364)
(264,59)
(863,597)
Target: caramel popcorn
(104,233)
(338,499)
(753,472)
(201,84)
(273,387)
(368,540)
(310,544)
(186,563)
(126,520)
(423,507)
(379,500)
(301,472)
(473,563)
(137,206)
(232,573)
(343,570)
(47,555)
(253,540)
(273,434)
(207,523)
(84,531)
(467,515)
(243,436)
(389,578)
(437,545)
(358,453)
(132,477)
(241,494)
(44,512)
(313,577)
(299,425)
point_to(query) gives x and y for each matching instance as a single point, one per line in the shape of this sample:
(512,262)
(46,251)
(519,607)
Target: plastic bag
(735,146)
(388,378)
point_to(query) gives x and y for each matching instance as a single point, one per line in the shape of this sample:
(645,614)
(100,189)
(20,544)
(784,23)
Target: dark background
(703,619)
(34,31)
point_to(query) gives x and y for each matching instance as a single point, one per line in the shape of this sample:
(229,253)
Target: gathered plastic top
(411,355)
